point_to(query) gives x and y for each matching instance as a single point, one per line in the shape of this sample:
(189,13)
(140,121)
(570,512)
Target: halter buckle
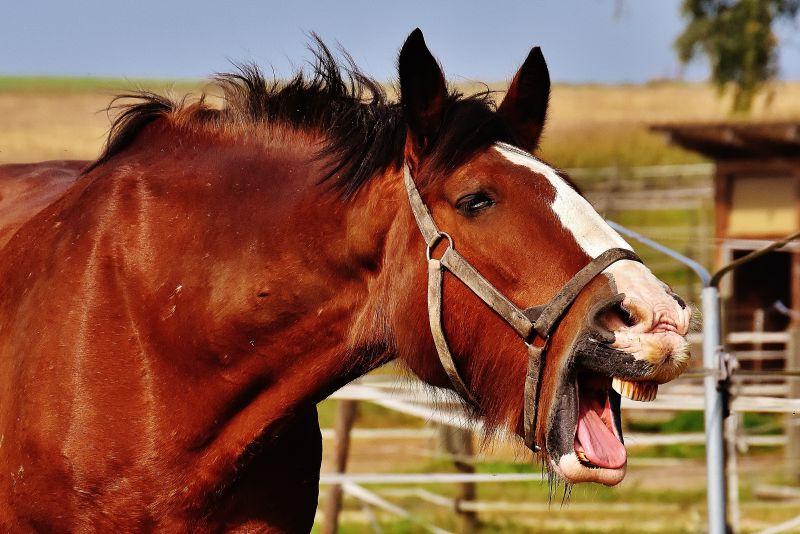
(438,239)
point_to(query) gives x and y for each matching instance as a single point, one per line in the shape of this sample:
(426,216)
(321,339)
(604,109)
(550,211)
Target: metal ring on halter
(442,235)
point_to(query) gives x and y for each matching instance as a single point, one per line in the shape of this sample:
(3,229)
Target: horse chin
(573,471)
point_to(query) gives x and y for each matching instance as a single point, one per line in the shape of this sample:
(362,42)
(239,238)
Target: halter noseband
(538,321)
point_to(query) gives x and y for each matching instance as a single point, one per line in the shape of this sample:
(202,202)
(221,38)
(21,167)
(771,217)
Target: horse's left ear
(524,109)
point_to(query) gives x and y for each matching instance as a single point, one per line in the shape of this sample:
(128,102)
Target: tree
(738,39)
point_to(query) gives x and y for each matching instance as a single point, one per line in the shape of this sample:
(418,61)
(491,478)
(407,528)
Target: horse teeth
(638,391)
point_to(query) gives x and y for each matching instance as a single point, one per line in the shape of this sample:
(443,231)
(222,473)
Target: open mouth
(585,442)
(598,435)
(627,350)
(588,445)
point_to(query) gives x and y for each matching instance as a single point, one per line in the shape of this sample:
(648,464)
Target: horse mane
(364,131)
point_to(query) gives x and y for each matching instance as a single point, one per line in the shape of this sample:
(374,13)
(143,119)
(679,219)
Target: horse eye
(472,204)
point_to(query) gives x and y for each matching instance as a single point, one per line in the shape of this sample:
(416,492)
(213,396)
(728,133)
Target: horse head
(524,232)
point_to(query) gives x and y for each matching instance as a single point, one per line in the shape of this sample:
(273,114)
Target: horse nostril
(625,315)
(612,315)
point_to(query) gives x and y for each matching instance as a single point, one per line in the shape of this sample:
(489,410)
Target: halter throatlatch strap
(435,317)
(537,321)
(531,395)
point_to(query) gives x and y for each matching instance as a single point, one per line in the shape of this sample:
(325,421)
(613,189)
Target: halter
(538,321)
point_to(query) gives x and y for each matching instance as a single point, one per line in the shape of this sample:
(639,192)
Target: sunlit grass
(70,84)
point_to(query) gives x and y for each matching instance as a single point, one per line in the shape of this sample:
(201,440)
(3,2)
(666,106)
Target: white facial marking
(595,236)
(591,232)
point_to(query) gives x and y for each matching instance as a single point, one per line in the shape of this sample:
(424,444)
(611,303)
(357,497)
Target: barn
(756,201)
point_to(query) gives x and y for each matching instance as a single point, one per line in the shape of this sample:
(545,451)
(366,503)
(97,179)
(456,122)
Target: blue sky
(583,40)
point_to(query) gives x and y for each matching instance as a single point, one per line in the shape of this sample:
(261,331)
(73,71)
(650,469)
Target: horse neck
(241,286)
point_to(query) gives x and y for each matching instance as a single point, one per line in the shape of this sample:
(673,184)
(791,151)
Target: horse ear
(422,92)
(524,109)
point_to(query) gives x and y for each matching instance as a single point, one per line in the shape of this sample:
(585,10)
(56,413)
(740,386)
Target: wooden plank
(457,442)
(458,418)
(427,478)
(345,417)
(789,526)
(758,337)
(740,404)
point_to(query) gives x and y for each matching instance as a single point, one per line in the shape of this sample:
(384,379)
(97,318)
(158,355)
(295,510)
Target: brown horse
(27,188)
(168,324)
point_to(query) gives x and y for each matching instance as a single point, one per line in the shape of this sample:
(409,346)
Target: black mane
(364,130)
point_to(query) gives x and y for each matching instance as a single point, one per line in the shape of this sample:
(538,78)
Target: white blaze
(591,232)
(595,236)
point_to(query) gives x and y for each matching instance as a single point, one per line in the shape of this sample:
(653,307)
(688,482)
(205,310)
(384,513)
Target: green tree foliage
(738,39)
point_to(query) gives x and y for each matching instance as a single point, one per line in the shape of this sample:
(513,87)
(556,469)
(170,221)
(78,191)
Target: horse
(169,322)
(27,188)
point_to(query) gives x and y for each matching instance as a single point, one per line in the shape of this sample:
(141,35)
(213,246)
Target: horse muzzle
(585,441)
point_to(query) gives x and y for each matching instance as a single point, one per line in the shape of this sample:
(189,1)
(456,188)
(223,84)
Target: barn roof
(736,140)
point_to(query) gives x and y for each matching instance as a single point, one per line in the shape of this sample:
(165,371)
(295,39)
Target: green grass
(369,416)
(692,421)
(681,422)
(612,145)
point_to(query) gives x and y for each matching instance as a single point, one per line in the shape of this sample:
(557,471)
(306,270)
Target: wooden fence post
(458,443)
(758,327)
(792,450)
(345,417)
(731,429)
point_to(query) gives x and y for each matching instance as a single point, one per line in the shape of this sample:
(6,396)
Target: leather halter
(538,321)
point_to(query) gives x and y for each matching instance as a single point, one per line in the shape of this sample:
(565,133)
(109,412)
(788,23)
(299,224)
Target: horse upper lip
(601,358)
(664,326)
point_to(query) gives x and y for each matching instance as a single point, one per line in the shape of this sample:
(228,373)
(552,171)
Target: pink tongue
(598,442)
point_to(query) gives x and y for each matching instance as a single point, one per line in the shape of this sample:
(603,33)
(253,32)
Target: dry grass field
(607,125)
(590,125)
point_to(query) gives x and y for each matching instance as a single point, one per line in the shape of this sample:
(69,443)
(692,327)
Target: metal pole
(714,396)
(714,414)
(792,422)
(714,411)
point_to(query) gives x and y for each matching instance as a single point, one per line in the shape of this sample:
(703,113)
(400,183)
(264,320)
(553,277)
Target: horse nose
(634,314)
(609,315)
(621,313)
(660,310)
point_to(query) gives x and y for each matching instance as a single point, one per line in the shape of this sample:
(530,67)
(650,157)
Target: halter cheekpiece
(531,323)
